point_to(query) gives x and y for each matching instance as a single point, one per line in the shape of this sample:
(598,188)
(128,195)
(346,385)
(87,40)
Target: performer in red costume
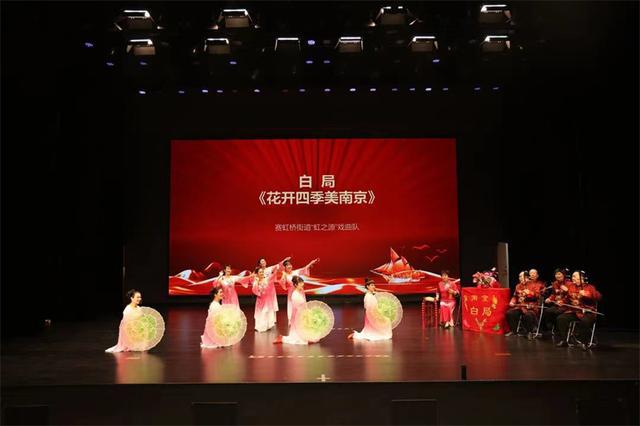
(580,297)
(447,292)
(559,289)
(524,306)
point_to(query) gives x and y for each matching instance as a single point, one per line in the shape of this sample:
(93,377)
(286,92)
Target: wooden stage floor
(73,354)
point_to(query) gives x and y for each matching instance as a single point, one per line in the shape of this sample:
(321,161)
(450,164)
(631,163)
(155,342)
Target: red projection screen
(380,208)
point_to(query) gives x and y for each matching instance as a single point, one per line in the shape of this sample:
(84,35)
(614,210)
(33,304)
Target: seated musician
(554,301)
(535,283)
(446,295)
(580,305)
(524,306)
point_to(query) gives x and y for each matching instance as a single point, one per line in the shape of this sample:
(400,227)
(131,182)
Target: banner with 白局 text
(484,309)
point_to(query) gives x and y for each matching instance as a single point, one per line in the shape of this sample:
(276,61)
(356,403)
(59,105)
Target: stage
(335,374)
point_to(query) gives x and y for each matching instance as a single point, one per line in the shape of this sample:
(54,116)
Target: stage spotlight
(327,90)
(350,45)
(142,92)
(494,14)
(234,18)
(217,46)
(428,44)
(141,47)
(287,45)
(135,20)
(311,42)
(496,44)
(393,16)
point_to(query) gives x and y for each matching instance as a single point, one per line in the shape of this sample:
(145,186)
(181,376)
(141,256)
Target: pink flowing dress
(298,300)
(287,284)
(228,288)
(205,341)
(373,330)
(266,302)
(123,344)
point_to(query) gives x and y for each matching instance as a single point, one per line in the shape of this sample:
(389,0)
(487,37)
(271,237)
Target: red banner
(483,309)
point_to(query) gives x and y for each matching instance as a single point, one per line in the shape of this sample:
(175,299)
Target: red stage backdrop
(383,208)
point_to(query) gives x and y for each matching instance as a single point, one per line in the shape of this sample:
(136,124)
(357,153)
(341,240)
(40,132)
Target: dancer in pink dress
(228,283)
(298,299)
(287,280)
(268,270)
(266,303)
(374,328)
(447,292)
(218,295)
(131,311)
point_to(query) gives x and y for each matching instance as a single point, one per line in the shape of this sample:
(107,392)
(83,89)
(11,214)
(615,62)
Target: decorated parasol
(226,326)
(145,330)
(314,321)
(390,307)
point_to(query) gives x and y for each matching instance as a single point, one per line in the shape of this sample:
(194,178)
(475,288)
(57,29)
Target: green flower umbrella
(378,320)
(226,326)
(390,307)
(145,330)
(314,321)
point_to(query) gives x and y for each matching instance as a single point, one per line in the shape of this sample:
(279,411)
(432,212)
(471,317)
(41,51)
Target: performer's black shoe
(561,343)
(508,334)
(584,346)
(529,336)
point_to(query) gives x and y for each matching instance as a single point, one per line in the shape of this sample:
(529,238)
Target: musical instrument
(583,309)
